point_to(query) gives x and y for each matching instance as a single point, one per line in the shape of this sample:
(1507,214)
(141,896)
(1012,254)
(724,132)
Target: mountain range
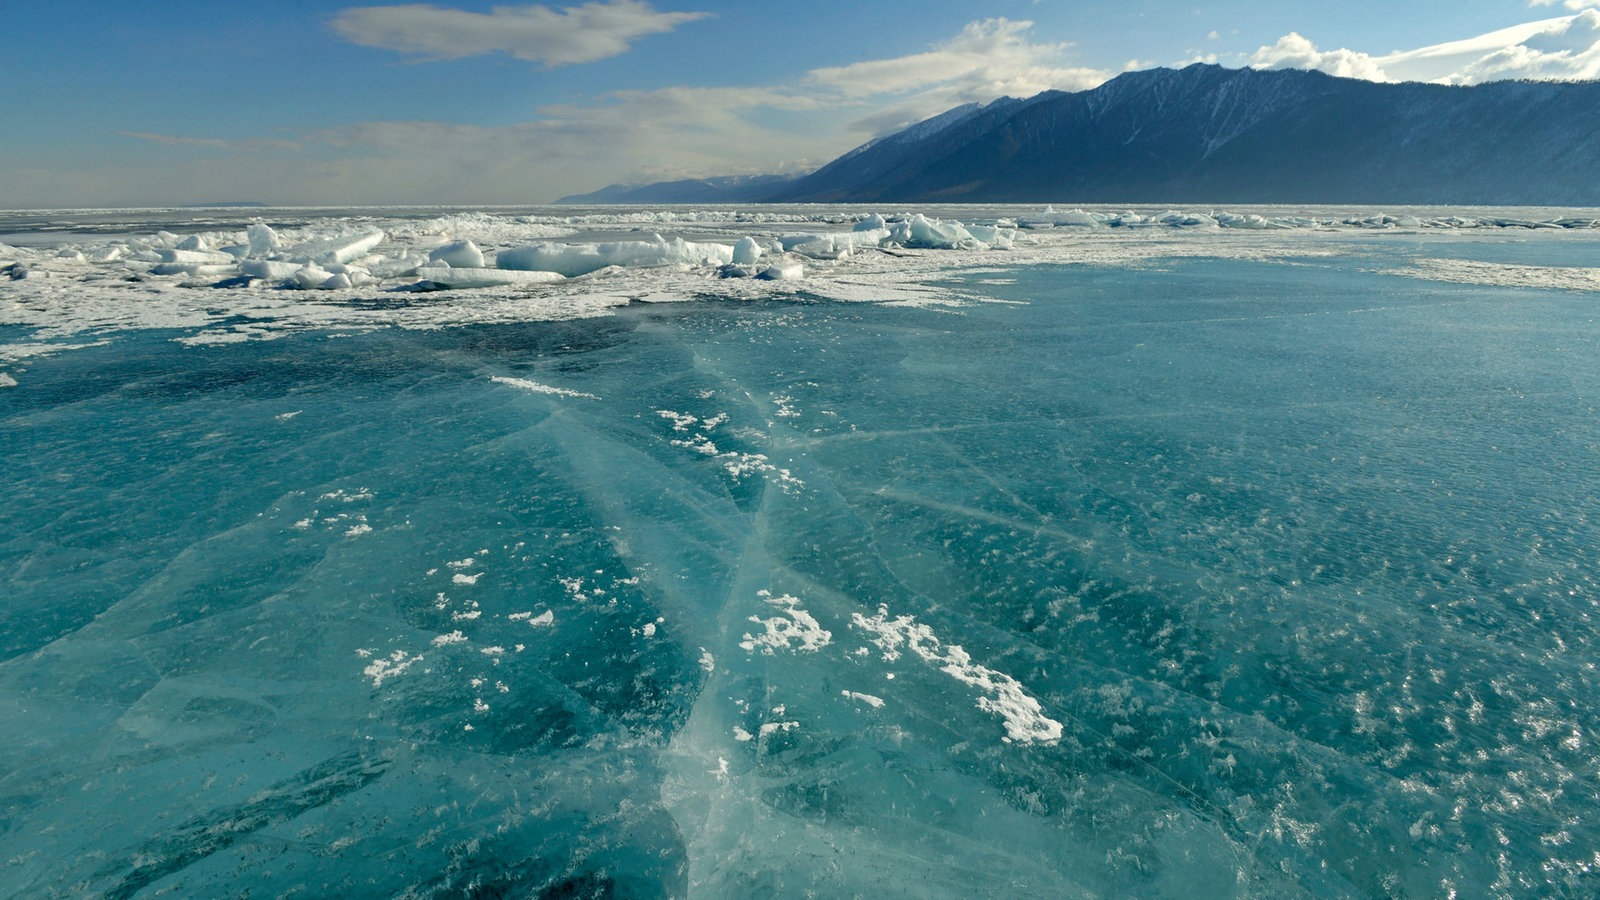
(1210,134)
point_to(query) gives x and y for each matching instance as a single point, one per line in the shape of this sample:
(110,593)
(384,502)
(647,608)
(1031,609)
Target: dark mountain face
(1208,134)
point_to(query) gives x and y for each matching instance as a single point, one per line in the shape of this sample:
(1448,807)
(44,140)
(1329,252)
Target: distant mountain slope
(1212,135)
(725,189)
(1209,134)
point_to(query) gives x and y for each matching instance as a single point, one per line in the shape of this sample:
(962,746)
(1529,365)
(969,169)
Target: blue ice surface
(735,600)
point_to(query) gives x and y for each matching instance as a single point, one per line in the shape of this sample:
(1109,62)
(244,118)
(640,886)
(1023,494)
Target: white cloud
(1295,51)
(538,34)
(991,58)
(1563,48)
(1569,4)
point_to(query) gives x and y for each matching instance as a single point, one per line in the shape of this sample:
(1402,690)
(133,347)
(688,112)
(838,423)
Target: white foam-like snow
(537,388)
(999,693)
(796,629)
(768,729)
(1466,271)
(868,699)
(382,669)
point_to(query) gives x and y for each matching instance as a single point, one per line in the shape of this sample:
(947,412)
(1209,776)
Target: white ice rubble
(357,259)
(459,268)
(362,256)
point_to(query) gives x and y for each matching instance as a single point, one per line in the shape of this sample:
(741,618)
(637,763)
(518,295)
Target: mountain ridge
(1209,134)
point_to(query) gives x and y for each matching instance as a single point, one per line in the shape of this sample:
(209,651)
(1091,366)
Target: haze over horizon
(327,104)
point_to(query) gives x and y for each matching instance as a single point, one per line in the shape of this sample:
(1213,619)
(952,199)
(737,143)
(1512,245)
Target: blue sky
(309,102)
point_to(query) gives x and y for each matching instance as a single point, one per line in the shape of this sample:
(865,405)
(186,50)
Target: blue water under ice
(1196,578)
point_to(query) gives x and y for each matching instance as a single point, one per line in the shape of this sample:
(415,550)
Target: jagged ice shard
(1009,552)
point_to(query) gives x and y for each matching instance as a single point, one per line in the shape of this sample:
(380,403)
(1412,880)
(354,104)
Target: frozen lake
(1153,559)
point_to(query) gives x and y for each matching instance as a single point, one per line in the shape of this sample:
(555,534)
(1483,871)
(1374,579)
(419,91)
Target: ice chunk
(268,268)
(746,252)
(472,277)
(1250,221)
(573,260)
(309,277)
(6,381)
(193,256)
(335,250)
(1187,220)
(262,240)
(458,255)
(922,231)
(833,245)
(873,222)
(202,270)
(996,237)
(1074,218)
(193,242)
(784,271)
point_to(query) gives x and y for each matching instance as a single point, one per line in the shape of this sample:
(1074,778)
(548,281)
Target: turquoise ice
(1190,576)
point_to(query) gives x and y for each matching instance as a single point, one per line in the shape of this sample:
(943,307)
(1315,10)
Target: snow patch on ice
(384,668)
(1000,694)
(538,388)
(796,630)
(1466,271)
(770,728)
(868,699)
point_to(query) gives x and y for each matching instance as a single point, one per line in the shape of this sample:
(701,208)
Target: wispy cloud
(1569,4)
(249,145)
(989,59)
(538,34)
(663,133)
(1563,48)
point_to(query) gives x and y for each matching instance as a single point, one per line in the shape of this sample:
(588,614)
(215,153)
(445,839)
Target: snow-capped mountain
(1210,134)
(1214,135)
